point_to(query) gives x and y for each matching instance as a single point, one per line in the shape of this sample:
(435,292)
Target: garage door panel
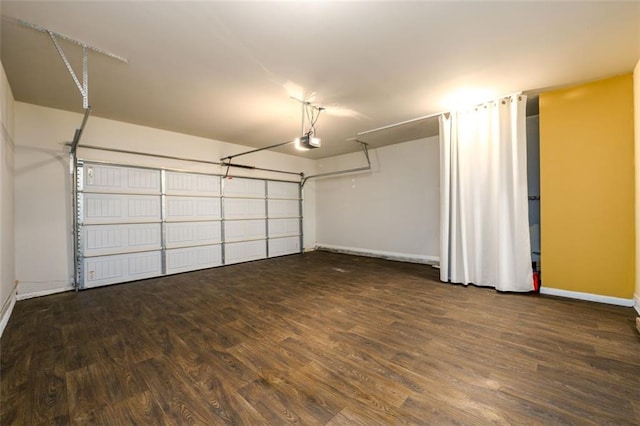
(237,230)
(193,258)
(179,183)
(106,178)
(104,270)
(192,208)
(182,234)
(245,251)
(249,188)
(284,246)
(283,190)
(244,208)
(284,227)
(99,240)
(284,208)
(119,208)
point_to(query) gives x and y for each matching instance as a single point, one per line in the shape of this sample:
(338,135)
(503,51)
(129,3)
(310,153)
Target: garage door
(192,221)
(284,225)
(120,234)
(136,223)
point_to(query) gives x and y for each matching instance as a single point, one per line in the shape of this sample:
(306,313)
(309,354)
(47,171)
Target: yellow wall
(587,188)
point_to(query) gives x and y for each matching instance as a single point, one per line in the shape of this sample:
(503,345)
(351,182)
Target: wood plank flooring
(319,338)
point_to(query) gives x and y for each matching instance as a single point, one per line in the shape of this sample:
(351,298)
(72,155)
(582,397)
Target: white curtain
(484,205)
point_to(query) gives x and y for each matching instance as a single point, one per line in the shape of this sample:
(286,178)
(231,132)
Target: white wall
(43,184)
(7,259)
(636,107)
(392,211)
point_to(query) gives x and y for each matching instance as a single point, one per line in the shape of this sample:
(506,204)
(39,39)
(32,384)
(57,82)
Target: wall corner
(636,121)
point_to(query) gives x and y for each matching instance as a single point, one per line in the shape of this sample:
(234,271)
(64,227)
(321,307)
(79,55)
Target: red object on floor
(536,281)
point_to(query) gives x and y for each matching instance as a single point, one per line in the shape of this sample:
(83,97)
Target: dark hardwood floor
(319,338)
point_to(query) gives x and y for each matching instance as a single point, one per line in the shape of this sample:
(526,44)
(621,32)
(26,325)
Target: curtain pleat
(484,232)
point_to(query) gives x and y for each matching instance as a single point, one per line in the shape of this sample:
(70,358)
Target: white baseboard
(28,290)
(636,297)
(587,296)
(389,255)
(7,309)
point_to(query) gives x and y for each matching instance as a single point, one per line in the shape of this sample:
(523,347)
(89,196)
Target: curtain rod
(424,117)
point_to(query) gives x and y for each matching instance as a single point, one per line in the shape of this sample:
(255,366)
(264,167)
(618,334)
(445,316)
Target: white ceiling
(226,70)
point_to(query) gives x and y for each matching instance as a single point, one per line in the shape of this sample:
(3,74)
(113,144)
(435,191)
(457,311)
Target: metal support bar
(230,157)
(168,157)
(317,108)
(69,68)
(85,77)
(193,160)
(305,106)
(78,134)
(163,221)
(266,221)
(302,113)
(244,166)
(74,41)
(365,150)
(73,166)
(54,36)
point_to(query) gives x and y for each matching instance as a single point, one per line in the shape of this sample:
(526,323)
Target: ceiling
(227,70)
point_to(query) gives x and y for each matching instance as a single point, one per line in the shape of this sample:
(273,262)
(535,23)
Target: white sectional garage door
(284,219)
(136,223)
(192,221)
(120,237)
(245,220)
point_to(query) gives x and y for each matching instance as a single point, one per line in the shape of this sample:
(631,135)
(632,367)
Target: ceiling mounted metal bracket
(84,87)
(311,113)
(365,150)
(54,36)
(308,104)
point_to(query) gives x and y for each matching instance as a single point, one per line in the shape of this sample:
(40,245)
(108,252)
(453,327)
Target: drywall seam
(610,300)
(402,257)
